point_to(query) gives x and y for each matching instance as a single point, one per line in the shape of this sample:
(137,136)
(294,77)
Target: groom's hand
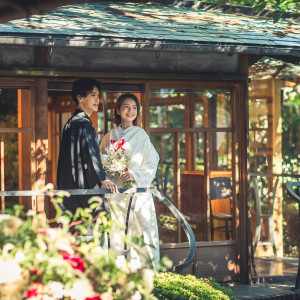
(107,184)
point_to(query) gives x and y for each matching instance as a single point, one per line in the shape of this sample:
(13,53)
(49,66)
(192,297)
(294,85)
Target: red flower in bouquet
(119,144)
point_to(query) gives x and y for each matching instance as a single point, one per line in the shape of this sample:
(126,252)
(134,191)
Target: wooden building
(188,64)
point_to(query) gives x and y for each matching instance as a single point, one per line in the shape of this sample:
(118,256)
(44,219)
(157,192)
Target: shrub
(179,287)
(39,262)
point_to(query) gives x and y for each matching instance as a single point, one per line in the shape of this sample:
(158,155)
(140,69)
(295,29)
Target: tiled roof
(267,68)
(125,24)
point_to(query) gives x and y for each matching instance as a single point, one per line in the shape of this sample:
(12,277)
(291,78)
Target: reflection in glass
(10,166)
(9,163)
(199,145)
(259,157)
(164,181)
(223,149)
(216,105)
(167,107)
(207,109)
(8,108)
(258,113)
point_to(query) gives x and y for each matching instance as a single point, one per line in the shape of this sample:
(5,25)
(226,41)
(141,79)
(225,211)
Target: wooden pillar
(176,178)
(277,164)
(188,135)
(2,183)
(145,99)
(40,142)
(241,150)
(24,104)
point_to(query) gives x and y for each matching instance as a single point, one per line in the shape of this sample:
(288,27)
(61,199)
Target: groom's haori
(79,164)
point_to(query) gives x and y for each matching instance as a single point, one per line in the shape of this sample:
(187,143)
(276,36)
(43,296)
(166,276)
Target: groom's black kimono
(79,163)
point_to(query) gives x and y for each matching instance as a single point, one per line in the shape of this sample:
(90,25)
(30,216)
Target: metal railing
(258,199)
(130,212)
(295,195)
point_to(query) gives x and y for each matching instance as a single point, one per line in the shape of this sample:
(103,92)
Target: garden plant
(40,262)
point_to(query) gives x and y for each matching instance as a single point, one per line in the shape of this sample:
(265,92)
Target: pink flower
(43,231)
(76,262)
(93,298)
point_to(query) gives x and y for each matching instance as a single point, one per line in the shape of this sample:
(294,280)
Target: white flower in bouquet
(116,161)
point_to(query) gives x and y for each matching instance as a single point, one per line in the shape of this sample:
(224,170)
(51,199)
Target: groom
(79,163)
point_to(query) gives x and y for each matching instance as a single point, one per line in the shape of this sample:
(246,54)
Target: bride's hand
(126,176)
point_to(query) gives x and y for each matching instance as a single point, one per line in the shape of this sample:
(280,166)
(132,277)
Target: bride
(141,172)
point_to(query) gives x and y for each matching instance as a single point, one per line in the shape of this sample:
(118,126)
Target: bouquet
(116,161)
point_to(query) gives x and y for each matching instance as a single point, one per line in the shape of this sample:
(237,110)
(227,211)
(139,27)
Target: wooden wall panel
(216,260)
(212,259)
(24,103)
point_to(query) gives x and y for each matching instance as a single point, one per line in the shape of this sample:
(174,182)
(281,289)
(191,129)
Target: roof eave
(148,44)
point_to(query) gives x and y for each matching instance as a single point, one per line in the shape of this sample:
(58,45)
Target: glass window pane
(164,181)
(15,147)
(258,146)
(167,107)
(8,108)
(212,108)
(258,113)
(9,166)
(223,149)
(199,151)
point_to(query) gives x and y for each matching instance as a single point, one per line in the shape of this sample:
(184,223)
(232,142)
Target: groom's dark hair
(120,101)
(83,87)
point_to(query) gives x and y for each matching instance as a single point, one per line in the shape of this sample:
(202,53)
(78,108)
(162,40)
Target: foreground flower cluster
(39,262)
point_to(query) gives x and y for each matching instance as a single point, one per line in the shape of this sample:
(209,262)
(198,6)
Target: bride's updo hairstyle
(120,101)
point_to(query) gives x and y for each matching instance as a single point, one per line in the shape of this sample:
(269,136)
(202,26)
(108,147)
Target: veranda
(205,117)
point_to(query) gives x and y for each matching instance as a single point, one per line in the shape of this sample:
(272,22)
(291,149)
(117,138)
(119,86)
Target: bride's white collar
(120,132)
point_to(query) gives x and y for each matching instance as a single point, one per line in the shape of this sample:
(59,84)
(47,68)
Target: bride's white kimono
(143,165)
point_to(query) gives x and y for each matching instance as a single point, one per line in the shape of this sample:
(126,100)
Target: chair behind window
(221,189)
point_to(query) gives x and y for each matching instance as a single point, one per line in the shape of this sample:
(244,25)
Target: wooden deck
(276,266)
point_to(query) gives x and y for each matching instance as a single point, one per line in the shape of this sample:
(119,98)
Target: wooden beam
(41,55)
(40,72)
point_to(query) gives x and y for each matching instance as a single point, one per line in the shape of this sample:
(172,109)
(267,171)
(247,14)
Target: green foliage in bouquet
(39,262)
(179,287)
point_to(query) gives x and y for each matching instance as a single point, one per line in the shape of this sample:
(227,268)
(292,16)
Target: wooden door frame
(39,136)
